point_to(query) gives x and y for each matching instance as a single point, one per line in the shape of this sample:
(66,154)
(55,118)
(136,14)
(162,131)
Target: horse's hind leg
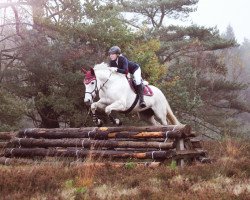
(148,116)
(153,121)
(115,120)
(161,115)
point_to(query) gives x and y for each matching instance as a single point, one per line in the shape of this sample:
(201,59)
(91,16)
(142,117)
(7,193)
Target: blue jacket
(124,65)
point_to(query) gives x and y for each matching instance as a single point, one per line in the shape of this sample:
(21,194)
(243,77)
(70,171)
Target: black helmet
(115,50)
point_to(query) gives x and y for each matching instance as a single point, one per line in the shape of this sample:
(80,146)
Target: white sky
(221,13)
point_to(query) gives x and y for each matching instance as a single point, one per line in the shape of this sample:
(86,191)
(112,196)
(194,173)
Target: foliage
(11,111)
(156,11)
(52,54)
(182,88)
(144,53)
(43,54)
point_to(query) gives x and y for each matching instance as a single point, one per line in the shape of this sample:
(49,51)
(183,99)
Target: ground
(227,177)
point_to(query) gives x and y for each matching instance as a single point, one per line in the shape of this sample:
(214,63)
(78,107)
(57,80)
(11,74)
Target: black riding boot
(139,90)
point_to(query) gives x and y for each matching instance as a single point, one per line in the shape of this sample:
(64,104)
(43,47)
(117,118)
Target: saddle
(147,91)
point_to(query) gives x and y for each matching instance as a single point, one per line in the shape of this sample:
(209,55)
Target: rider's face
(113,56)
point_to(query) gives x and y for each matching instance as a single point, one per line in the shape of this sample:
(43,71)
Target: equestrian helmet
(115,50)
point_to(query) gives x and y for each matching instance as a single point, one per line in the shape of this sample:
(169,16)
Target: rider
(121,64)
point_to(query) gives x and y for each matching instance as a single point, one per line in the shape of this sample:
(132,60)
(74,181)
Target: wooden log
(3,144)
(180,147)
(184,128)
(15,161)
(188,154)
(110,132)
(86,143)
(83,153)
(196,143)
(7,135)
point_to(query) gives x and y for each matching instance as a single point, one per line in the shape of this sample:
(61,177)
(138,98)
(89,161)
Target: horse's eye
(92,83)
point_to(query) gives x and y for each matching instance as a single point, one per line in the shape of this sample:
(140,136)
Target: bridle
(96,90)
(93,91)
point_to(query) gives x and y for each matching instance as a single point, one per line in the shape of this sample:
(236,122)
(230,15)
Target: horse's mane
(102,65)
(105,67)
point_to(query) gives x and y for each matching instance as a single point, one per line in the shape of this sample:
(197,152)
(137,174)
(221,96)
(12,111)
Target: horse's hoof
(99,123)
(118,122)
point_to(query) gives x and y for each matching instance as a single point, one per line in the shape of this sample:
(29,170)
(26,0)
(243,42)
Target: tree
(11,111)
(190,55)
(47,50)
(65,36)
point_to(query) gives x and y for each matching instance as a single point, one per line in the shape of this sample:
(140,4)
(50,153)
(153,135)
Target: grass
(227,177)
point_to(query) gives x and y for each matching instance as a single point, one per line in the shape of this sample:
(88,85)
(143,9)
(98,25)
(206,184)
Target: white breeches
(137,76)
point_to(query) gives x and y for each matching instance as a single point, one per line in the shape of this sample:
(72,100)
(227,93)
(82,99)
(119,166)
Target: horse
(116,94)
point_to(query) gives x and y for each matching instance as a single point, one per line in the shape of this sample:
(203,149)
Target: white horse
(116,94)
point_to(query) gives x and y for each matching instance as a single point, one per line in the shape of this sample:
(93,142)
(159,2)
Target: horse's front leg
(94,106)
(117,106)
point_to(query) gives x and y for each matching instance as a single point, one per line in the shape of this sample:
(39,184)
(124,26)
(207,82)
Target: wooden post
(180,147)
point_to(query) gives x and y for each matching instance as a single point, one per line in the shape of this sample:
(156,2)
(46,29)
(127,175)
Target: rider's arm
(124,65)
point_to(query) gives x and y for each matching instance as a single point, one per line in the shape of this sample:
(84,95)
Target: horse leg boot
(139,90)
(93,108)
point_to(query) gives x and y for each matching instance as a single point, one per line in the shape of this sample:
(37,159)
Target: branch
(203,123)
(6,38)
(10,50)
(14,24)
(5,5)
(129,22)
(9,57)
(17,22)
(58,13)
(51,14)
(6,67)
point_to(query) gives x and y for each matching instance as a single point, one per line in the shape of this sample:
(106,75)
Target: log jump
(152,144)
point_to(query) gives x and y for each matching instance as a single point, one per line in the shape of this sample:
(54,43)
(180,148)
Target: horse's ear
(92,71)
(84,70)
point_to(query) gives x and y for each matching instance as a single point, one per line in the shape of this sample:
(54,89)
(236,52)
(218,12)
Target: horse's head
(96,79)
(90,83)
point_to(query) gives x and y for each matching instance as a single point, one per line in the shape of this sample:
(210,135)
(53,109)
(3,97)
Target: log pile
(150,144)
(5,138)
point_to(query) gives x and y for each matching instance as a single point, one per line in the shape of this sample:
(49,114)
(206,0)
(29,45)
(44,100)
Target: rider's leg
(139,91)
(139,87)
(148,118)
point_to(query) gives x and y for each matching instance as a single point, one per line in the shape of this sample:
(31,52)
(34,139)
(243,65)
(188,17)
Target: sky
(221,13)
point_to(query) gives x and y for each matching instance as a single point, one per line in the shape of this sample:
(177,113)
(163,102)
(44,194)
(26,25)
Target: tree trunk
(49,117)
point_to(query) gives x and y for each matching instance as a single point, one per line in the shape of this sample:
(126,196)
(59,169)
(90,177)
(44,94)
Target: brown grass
(228,177)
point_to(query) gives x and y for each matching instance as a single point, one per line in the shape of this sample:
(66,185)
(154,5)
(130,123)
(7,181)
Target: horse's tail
(171,117)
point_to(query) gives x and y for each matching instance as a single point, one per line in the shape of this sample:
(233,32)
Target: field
(227,177)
